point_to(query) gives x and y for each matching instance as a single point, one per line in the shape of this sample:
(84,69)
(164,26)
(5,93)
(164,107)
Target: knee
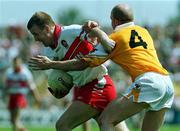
(61,126)
(122,126)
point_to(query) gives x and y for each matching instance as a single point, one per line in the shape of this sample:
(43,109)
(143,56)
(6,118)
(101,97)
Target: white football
(60,83)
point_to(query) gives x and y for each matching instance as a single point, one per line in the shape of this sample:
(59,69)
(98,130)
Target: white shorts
(152,88)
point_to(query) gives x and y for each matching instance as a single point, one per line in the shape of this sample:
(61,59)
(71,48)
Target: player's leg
(66,102)
(150,90)
(153,120)
(77,113)
(155,116)
(136,120)
(117,111)
(121,126)
(14,115)
(86,126)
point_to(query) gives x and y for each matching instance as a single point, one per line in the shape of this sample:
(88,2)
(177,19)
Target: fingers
(37,59)
(39,63)
(79,56)
(34,63)
(89,25)
(34,60)
(39,56)
(93,24)
(35,68)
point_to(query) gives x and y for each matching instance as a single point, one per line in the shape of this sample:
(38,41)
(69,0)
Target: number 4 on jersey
(134,44)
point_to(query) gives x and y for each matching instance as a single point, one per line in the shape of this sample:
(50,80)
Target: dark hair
(122,13)
(40,19)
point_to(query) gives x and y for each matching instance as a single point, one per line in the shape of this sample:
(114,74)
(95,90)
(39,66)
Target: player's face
(17,63)
(42,35)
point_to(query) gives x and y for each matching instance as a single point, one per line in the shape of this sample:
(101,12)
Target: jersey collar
(123,26)
(56,34)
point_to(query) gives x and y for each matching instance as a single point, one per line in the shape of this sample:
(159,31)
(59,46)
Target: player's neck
(56,33)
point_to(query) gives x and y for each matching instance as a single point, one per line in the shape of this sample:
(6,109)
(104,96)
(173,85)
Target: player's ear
(47,28)
(116,22)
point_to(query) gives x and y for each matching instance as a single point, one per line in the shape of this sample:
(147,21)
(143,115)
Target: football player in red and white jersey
(93,88)
(18,82)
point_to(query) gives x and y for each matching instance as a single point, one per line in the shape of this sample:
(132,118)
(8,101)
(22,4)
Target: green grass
(95,128)
(164,128)
(171,128)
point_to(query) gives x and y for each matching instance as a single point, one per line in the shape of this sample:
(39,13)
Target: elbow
(108,46)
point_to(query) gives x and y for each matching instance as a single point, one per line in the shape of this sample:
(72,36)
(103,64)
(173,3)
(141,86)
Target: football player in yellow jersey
(134,51)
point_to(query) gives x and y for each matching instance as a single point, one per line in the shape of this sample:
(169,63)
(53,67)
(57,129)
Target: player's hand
(39,63)
(89,25)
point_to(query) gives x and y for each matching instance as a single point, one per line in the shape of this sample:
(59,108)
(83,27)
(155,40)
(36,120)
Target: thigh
(98,93)
(77,113)
(153,120)
(120,109)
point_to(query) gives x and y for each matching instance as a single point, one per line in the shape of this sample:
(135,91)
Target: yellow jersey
(134,51)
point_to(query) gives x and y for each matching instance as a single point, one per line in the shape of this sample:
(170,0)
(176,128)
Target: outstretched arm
(107,43)
(36,96)
(44,63)
(69,65)
(94,30)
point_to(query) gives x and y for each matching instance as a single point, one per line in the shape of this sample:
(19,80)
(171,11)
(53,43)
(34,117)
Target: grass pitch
(94,128)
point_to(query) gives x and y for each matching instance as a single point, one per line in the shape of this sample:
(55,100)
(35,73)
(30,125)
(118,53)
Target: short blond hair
(40,19)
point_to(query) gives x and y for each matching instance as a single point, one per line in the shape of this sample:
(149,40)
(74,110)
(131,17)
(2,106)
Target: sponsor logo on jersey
(64,43)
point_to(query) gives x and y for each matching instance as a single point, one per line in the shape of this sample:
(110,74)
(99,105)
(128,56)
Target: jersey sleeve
(97,57)
(6,77)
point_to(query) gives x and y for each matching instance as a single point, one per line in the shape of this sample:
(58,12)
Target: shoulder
(26,71)
(9,71)
(71,31)
(72,27)
(137,27)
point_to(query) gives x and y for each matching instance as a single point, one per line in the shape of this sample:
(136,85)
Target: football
(59,83)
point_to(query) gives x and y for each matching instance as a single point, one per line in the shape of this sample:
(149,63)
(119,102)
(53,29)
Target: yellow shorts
(152,88)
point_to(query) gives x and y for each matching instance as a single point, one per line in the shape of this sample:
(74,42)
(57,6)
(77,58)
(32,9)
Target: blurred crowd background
(16,40)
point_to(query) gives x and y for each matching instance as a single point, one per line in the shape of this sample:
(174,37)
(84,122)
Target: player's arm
(107,43)
(44,63)
(5,89)
(36,96)
(32,86)
(68,65)
(94,30)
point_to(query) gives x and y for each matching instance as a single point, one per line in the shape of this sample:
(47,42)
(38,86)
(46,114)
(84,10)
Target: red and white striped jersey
(71,45)
(19,82)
